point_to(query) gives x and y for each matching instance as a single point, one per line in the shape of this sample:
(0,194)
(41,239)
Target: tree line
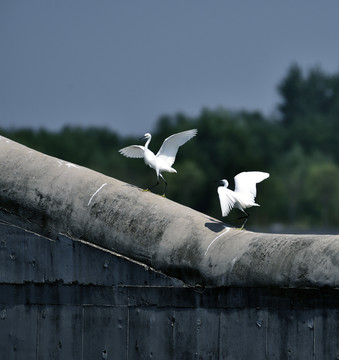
(298,145)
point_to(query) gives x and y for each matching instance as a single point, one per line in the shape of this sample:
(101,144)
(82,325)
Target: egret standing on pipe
(165,157)
(244,192)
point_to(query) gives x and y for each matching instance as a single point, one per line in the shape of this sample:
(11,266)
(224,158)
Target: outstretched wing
(170,146)
(133,151)
(227,200)
(245,182)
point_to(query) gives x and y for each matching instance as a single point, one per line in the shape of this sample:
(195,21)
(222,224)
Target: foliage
(299,148)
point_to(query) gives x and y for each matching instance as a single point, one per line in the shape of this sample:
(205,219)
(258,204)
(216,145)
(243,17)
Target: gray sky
(122,64)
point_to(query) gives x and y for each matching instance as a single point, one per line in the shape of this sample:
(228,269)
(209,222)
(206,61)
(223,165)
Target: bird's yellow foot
(163,195)
(144,190)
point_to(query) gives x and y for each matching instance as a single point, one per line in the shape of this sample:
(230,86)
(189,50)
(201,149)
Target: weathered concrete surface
(66,299)
(92,268)
(50,196)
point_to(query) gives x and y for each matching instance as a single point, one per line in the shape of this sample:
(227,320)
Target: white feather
(133,151)
(165,157)
(246,182)
(170,146)
(227,200)
(244,192)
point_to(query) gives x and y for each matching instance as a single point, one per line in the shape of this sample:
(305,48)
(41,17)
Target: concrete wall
(93,268)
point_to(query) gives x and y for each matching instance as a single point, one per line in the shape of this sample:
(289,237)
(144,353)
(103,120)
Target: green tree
(299,149)
(323,193)
(310,109)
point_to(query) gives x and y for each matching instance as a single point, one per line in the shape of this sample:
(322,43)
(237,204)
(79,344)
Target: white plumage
(164,159)
(244,192)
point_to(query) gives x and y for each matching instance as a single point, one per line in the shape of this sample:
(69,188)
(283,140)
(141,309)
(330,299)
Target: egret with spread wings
(244,192)
(164,159)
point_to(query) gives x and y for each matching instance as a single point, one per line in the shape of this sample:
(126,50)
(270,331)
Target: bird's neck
(147,142)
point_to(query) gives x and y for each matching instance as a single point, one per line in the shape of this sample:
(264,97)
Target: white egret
(165,157)
(244,192)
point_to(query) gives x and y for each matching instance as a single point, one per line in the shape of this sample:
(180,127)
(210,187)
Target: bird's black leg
(153,186)
(247,215)
(164,194)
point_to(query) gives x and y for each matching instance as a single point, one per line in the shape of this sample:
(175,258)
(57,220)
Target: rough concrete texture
(51,196)
(66,299)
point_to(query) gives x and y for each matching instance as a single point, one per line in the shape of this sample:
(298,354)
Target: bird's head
(146,136)
(222,182)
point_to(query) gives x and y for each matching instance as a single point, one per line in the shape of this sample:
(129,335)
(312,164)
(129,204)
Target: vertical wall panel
(207,322)
(151,334)
(185,332)
(290,334)
(60,332)
(243,334)
(326,334)
(105,332)
(18,332)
